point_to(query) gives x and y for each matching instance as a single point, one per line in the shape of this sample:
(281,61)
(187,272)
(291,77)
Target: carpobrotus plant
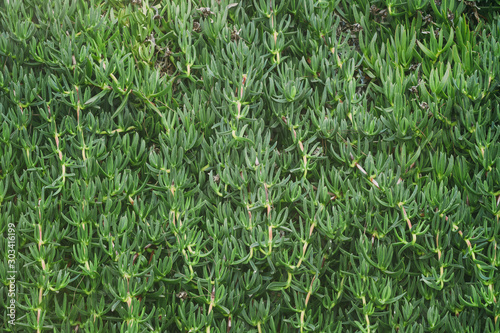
(250,166)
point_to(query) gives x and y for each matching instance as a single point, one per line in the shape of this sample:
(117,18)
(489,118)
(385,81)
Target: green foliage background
(262,166)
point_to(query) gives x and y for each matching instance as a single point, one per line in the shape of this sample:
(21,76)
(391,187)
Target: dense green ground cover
(256,166)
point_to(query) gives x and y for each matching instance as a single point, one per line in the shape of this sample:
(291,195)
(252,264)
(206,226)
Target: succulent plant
(259,166)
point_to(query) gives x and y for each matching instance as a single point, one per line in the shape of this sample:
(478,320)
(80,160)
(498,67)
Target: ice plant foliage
(250,166)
